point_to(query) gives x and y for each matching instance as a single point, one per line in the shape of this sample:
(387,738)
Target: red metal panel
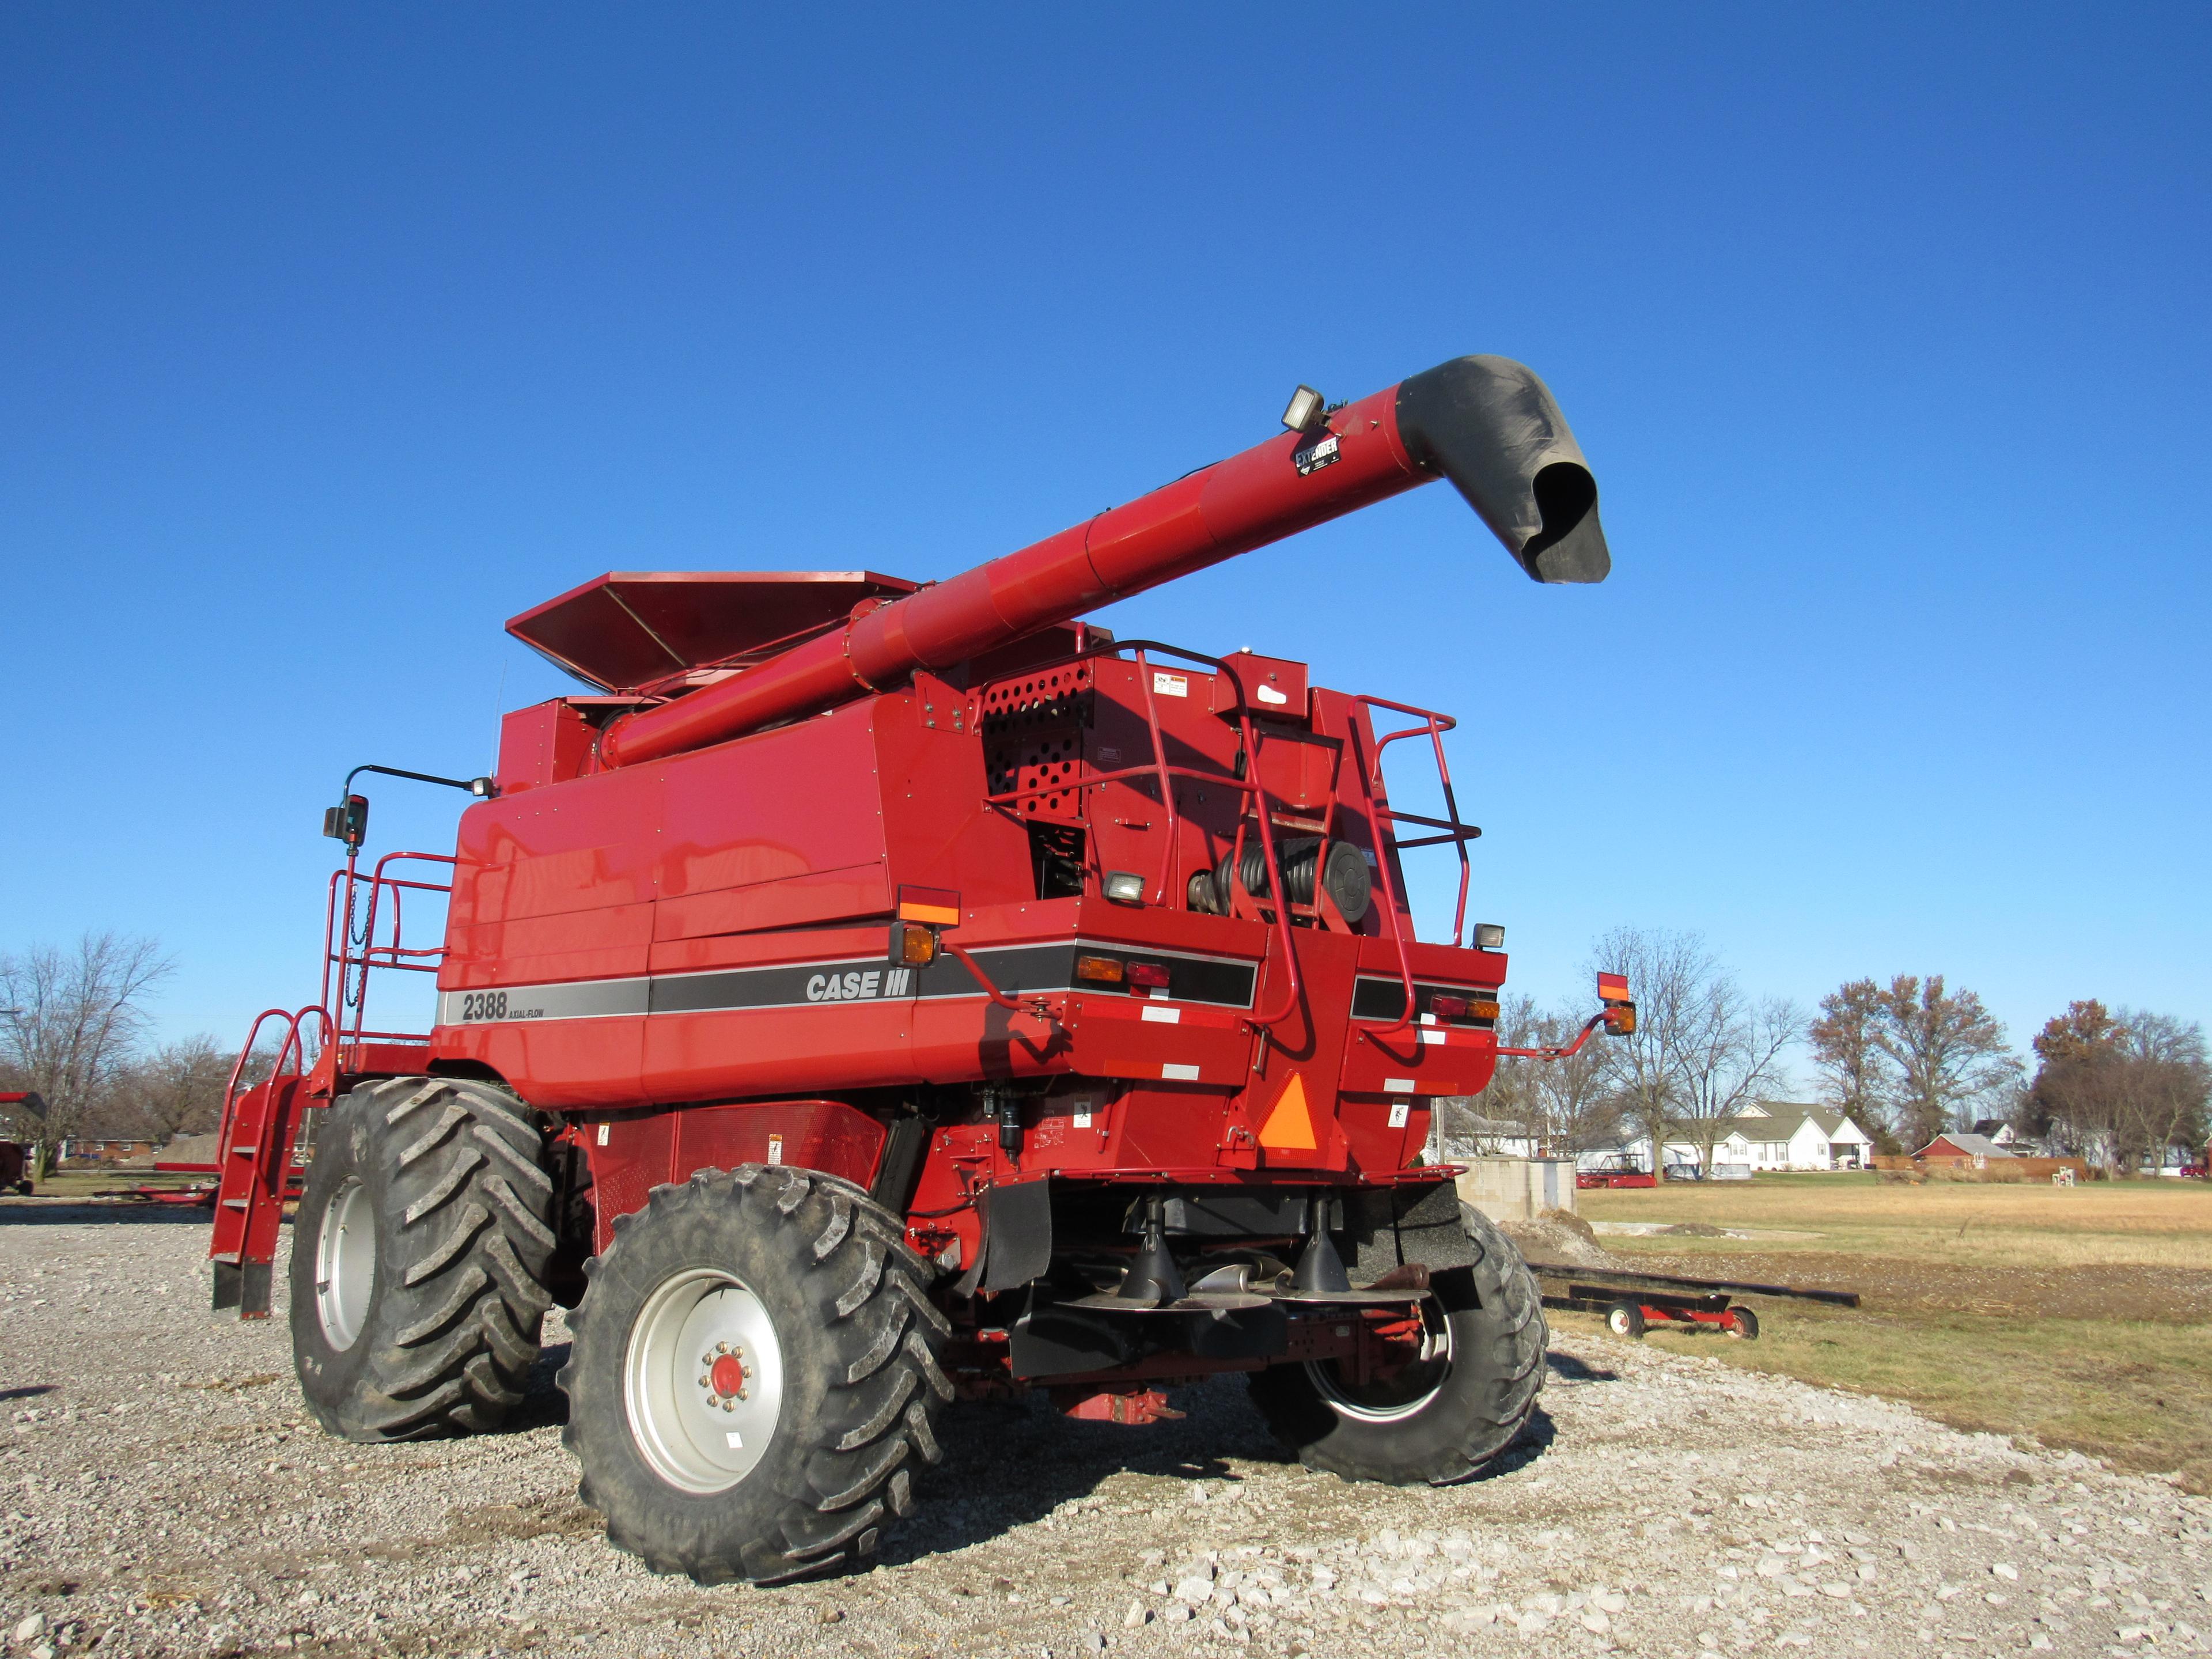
(629,1157)
(1274,687)
(546,742)
(1152,1040)
(776,805)
(861,1045)
(597,944)
(827,895)
(808,1134)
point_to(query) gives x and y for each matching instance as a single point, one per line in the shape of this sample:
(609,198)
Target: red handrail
(354,954)
(1435,726)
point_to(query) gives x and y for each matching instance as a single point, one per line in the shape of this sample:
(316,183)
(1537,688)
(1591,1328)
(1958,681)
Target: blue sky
(329,339)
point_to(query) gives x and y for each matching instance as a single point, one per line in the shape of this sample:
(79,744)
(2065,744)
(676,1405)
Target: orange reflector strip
(1289,1126)
(1612,987)
(930,904)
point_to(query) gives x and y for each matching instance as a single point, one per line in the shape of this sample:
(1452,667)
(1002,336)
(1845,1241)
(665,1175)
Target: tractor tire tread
(855,1428)
(462,1241)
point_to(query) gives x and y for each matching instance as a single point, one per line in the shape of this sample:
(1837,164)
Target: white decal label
(1399,1111)
(1082,1117)
(603,1133)
(1165,1016)
(1171,686)
(775,1149)
(1180,1073)
(859,986)
(1430,1034)
(1268,694)
(1392,1085)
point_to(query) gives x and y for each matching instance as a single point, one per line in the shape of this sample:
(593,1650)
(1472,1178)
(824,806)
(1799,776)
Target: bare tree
(176,1090)
(2120,1087)
(1727,1056)
(76,1016)
(1950,1055)
(1858,1076)
(1702,1049)
(1667,972)
(2171,1081)
(1574,1100)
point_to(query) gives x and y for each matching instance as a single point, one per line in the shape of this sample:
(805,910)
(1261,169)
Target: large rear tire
(754,1376)
(418,1259)
(1445,1417)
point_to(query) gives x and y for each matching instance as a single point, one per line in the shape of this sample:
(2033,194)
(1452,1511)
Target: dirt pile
(1560,1237)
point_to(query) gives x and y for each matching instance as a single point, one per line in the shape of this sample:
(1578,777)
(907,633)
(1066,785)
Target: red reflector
(1147,972)
(1448,1007)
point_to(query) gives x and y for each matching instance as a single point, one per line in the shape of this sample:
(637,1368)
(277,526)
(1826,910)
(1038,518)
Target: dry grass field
(2082,1316)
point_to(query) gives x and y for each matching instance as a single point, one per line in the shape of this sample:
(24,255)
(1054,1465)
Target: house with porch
(1768,1135)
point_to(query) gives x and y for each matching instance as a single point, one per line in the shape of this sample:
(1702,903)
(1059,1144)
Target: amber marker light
(1103,970)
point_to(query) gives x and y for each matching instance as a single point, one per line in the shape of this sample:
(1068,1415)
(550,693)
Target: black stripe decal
(1378,999)
(1016,969)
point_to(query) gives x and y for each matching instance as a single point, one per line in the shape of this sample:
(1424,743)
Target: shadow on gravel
(61,1213)
(1008,1463)
(32,1392)
(1570,1369)
(544,1406)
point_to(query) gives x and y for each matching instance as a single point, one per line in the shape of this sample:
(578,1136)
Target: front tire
(754,1376)
(418,1259)
(1448,1416)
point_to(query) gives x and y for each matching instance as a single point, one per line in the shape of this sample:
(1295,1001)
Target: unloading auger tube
(1486,424)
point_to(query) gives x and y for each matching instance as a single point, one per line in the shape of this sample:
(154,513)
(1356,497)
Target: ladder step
(234,1204)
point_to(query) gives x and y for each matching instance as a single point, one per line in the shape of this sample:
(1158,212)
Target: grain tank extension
(867,994)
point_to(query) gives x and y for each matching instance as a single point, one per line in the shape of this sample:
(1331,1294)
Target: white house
(1769,1135)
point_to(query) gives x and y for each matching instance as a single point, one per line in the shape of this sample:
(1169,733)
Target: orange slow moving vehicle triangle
(1289,1127)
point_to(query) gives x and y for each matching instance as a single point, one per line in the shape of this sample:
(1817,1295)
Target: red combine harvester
(871,993)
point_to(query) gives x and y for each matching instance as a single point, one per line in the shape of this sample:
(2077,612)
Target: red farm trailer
(866,991)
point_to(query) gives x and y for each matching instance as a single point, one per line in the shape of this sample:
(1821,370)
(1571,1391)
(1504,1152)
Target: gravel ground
(163,1491)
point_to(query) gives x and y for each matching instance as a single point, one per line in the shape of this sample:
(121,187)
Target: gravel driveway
(162,1490)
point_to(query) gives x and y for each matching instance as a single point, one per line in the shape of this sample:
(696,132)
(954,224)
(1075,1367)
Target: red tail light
(1148,973)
